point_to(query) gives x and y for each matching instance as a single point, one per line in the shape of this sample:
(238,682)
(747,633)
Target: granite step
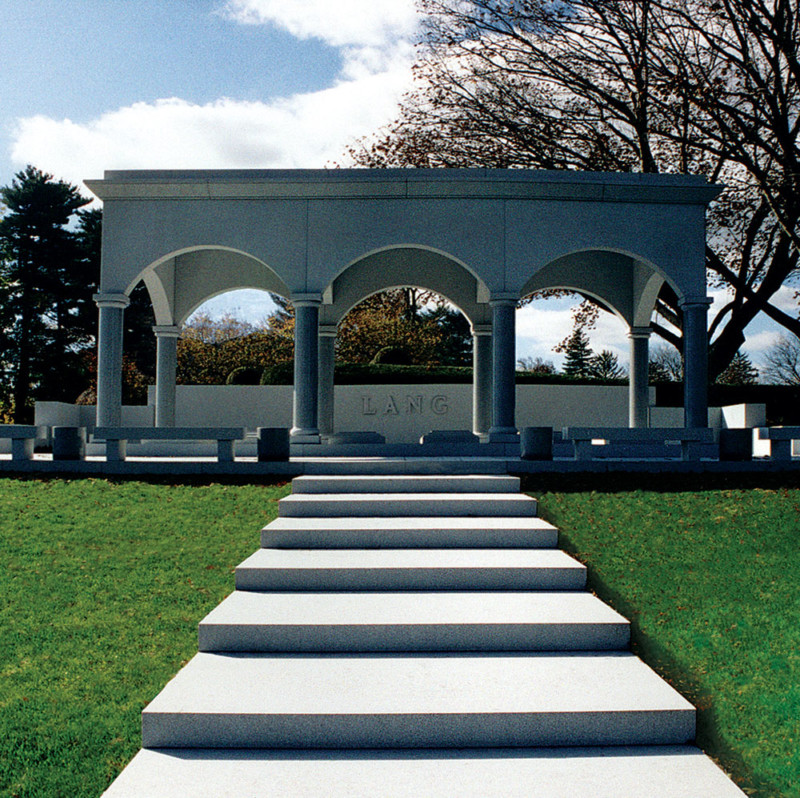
(416,701)
(408,532)
(406,483)
(347,505)
(598,772)
(412,621)
(410,569)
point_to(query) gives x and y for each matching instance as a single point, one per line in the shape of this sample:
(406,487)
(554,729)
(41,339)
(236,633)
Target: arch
(182,280)
(400,266)
(625,283)
(576,289)
(220,293)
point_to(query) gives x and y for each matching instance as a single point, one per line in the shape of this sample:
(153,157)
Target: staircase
(415,636)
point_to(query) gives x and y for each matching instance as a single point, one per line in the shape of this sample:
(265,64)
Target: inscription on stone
(408,405)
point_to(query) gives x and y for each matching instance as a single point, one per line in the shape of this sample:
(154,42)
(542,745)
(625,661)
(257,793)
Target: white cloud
(373,35)
(758,343)
(246,304)
(343,23)
(303,131)
(543,324)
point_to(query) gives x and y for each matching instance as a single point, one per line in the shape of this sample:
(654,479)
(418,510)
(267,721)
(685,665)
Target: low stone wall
(401,413)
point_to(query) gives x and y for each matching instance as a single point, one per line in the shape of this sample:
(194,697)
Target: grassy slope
(102,585)
(711,581)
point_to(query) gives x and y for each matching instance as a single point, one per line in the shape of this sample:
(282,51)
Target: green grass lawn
(102,585)
(711,582)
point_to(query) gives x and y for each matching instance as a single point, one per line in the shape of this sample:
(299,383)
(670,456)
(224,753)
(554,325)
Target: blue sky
(89,85)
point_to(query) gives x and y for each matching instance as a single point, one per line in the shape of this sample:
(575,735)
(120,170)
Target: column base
(503,435)
(305,436)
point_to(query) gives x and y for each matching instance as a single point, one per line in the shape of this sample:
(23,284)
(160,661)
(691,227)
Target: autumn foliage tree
(708,87)
(408,326)
(211,350)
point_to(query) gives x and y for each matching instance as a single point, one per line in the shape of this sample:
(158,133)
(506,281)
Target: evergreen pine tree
(741,371)
(577,354)
(43,277)
(605,366)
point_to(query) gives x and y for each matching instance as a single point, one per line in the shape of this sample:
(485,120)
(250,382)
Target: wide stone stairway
(415,636)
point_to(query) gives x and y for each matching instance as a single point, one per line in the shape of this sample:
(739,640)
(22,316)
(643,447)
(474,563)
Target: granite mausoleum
(326,239)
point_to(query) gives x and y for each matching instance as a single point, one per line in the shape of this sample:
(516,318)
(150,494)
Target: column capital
(696,302)
(306,299)
(111,300)
(639,332)
(166,330)
(328,330)
(482,329)
(503,298)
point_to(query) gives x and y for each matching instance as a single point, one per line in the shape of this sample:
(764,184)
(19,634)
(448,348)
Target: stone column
(503,368)
(638,380)
(166,366)
(109,357)
(327,356)
(695,362)
(481,378)
(306,367)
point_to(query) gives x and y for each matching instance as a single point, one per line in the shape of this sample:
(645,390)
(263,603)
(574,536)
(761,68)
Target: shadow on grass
(190,480)
(626,482)
(709,738)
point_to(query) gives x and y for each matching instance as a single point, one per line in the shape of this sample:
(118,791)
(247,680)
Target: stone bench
(691,439)
(23,437)
(116,438)
(780,438)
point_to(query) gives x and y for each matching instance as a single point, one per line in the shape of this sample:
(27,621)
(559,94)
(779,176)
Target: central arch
(399,266)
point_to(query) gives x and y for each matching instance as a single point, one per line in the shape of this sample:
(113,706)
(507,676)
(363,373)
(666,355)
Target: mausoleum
(326,239)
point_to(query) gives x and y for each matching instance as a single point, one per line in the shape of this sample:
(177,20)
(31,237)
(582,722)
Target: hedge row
(390,374)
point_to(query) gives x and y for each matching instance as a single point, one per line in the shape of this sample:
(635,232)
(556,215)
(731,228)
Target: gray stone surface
(410,569)
(405,504)
(413,621)
(415,701)
(462,483)
(405,531)
(620,772)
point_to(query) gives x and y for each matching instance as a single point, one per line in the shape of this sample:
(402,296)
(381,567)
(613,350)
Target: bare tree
(782,362)
(704,87)
(536,365)
(666,364)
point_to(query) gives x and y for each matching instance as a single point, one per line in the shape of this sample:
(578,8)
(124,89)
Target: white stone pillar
(695,362)
(327,356)
(481,378)
(166,366)
(638,379)
(503,368)
(109,357)
(306,367)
